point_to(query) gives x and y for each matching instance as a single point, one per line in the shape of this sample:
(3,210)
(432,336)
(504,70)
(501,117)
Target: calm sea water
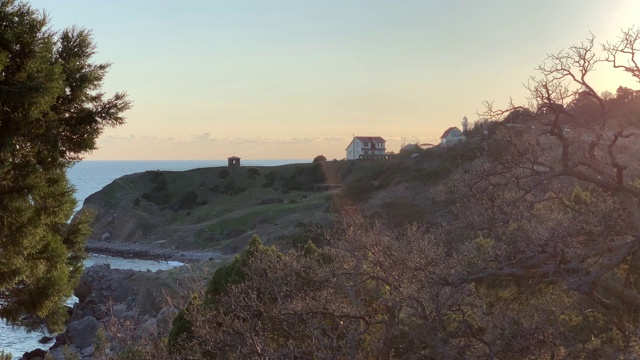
(89,177)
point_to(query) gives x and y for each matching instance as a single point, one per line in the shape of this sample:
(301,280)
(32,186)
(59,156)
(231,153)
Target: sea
(89,177)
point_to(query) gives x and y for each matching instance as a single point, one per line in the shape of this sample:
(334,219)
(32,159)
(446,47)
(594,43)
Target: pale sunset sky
(293,79)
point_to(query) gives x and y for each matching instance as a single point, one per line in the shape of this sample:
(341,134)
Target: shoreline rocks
(152,252)
(117,302)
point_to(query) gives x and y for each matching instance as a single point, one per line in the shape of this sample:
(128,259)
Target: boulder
(118,310)
(82,333)
(45,339)
(87,352)
(60,353)
(34,354)
(148,329)
(103,284)
(164,319)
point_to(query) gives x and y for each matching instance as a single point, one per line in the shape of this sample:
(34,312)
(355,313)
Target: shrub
(223,174)
(360,191)
(270,179)
(319,158)
(253,172)
(187,201)
(229,274)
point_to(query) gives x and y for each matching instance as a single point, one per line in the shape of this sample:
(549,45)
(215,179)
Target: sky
(292,79)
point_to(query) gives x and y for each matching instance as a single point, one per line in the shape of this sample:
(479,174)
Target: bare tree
(560,203)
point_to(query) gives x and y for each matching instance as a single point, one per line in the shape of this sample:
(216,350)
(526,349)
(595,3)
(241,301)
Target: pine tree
(51,112)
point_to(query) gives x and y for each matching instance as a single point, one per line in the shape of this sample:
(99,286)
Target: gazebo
(233,161)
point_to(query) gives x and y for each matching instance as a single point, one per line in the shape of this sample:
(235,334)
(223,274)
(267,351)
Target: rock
(61,340)
(148,329)
(87,351)
(106,236)
(102,284)
(45,339)
(82,333)
(164,319)
(59,353)
(100,311)
(118,310)
(34,354)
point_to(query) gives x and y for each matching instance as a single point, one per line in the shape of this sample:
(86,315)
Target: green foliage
(159,193)
(223,174)
(253,173)
(230,188)
(181,328)
(5,356)
(70,354)
(187,201)
(270,179)
(224,276)
(52,112)
(233,272)
(293,183)
(360,190)
(319,158)
(310,249)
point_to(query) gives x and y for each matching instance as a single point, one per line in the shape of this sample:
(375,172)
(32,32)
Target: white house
(365,145)
(452,136)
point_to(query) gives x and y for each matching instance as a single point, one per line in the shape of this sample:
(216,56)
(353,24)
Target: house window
(366,144)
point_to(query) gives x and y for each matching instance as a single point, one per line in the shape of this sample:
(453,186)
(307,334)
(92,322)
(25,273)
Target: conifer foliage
(52,110)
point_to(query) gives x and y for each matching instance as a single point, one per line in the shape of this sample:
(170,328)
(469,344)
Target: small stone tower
(233,161)
(465,124)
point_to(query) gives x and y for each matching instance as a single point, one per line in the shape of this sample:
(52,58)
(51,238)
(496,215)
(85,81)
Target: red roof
(233,158)
(373,139)
(446,132)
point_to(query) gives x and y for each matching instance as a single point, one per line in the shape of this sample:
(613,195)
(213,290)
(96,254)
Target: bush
(293,183)
(270,179)
(223,174)
(252,173)
(229,274)
(187,201)
(319,158)
(360,191)
(230,188)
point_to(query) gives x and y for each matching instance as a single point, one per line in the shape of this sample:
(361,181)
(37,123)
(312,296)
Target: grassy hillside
(220,208)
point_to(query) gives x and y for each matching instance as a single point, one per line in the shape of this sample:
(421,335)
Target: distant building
(365,145)
(233,161)
(452,136)
(410,149)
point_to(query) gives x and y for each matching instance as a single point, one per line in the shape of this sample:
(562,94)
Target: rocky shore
(146,251)
(119,306)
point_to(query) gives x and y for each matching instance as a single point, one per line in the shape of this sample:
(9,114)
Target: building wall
(356,148)
(451,140)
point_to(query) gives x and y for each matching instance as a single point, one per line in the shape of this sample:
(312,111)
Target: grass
(211,219)
(234,226)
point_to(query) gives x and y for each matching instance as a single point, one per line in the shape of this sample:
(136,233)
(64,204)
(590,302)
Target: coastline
(150,252)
